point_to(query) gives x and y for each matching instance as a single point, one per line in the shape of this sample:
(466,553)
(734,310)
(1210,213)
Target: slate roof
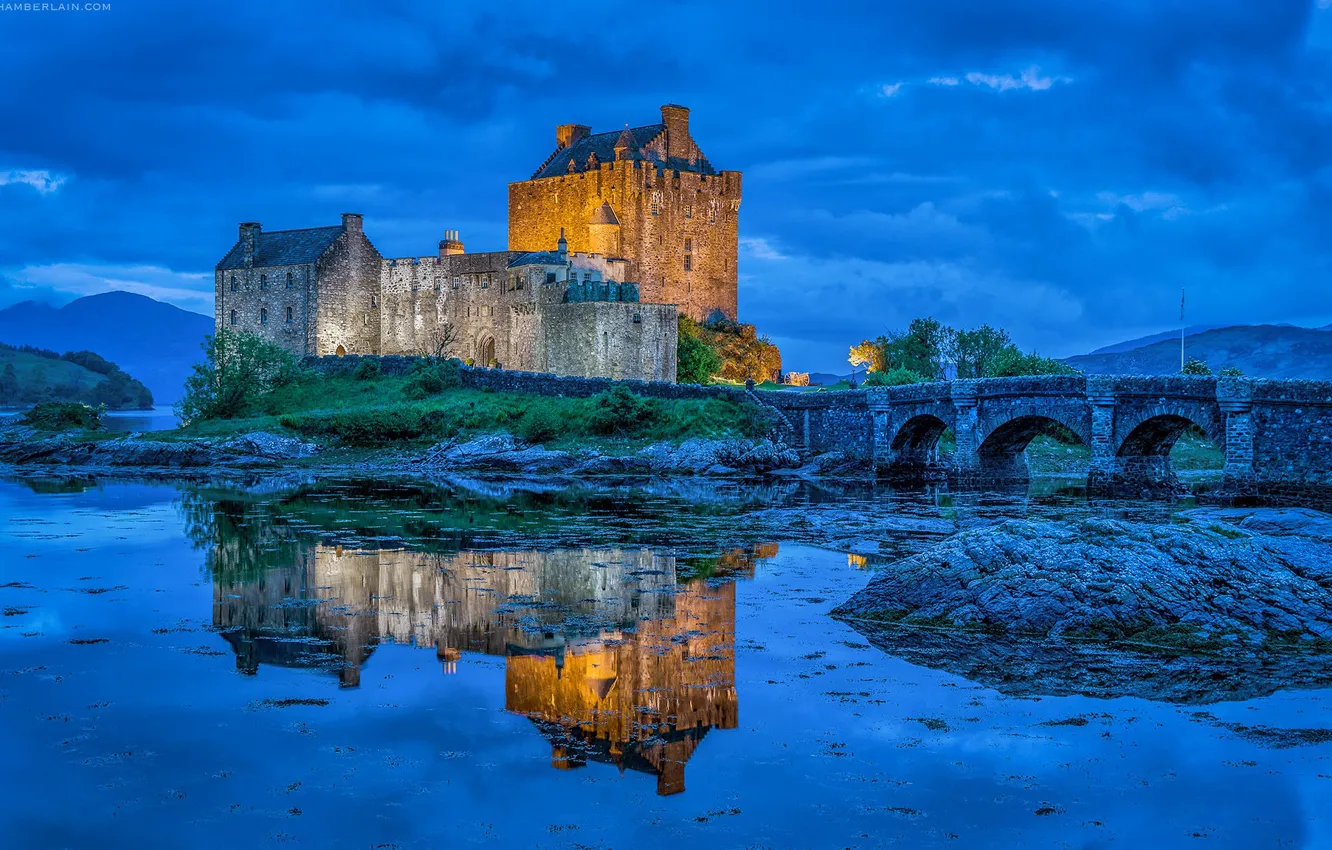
(603,145)
(604,215)
(284,248)
(538,258)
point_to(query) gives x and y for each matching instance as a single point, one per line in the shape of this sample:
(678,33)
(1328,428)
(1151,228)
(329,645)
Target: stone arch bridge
(1276,435)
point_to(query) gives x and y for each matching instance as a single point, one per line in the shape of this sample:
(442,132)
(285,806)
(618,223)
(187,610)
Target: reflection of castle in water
(609,656)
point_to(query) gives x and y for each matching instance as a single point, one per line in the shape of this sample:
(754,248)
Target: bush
(432,377)
(618,412)
(898,376)
(368,426)
(366,370)
(695,360)
(540,424)
(63,416)
(1196,367)
(1012,363)
(1231,372)
(237,373)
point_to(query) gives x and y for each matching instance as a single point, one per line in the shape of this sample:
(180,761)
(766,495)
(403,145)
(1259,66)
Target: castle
(614,235)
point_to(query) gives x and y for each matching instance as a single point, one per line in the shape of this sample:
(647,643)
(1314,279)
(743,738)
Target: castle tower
(604,232)
(451,244)
(647,194)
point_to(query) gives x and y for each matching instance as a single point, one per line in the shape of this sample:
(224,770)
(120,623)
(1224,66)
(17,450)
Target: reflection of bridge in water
(608,655)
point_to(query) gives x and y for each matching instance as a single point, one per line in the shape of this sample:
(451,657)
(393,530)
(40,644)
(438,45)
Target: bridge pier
(1234,396)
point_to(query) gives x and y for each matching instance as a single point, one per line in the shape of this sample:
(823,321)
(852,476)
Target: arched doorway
(485,351)
(341,352)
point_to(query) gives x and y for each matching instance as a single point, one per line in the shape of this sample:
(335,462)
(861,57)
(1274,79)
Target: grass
(349,411)
(55,372)
(1192,453)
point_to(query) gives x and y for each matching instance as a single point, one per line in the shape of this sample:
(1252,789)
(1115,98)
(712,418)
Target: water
(328,665)
(160,418)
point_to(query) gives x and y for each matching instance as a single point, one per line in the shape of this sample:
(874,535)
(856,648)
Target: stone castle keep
(614,235)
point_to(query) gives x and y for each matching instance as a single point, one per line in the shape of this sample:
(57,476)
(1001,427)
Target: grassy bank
(379,409)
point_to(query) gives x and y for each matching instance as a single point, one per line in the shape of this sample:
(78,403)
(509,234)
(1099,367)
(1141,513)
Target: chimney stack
(249,236)
(678,143)
(351,222)
(569,134)
(451,244)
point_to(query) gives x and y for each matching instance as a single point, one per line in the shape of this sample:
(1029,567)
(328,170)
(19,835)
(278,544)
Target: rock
(267,445)
(1187,584)
(498,453)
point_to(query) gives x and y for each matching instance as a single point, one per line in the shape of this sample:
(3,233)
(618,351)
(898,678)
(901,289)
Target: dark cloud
(1090,160)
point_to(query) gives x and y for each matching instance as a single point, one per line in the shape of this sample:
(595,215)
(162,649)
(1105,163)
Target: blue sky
(1057,168)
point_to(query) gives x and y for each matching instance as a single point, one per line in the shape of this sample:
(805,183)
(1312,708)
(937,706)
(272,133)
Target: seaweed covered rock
(1207,585)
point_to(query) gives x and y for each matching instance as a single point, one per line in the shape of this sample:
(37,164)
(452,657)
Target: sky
(1058,169)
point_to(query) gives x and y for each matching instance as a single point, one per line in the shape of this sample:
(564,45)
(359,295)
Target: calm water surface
(195,666)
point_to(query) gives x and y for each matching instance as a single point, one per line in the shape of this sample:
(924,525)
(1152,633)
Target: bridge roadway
(1276,435)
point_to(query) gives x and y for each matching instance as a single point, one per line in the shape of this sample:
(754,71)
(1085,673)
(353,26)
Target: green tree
(975,350)
(1195,366)
(696,362)
(9,385)
(1011,363)
(238,370)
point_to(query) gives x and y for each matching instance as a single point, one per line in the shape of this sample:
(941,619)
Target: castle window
(263,315)
(233,286)
(233,316)
(712,212)
(263,281)
(689,244)
(289,280)
(517,281)
(689,210)
(288,315)
(689,262)
(550,277)
(457,281)
(485,281)
(656,203)
(374,302)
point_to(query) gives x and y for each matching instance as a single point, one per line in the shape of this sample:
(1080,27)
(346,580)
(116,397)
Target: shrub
(898,376)
(1012,363)
(1195,367)
(432,377)
(63,416)
(695,360)
(237,373)
(1231,372)
(366,370)
(540,424)
(368,426)
(619,412)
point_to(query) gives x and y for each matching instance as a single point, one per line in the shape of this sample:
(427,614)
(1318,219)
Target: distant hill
(1260,351)
(30,375)
(155,342)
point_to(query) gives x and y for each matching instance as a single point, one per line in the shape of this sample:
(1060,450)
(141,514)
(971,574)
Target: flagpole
(1181,329)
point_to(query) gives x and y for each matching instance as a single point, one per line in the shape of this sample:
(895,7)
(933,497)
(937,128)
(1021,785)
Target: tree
(1011,363)
(870,353)
(238,370)
(696,362)
(439,343)
(895,377)
(975,350)
(1196,367)
(9,386)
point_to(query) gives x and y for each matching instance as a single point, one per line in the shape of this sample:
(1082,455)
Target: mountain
(155,342)
(1260,351)
(31,375)
(1129,345)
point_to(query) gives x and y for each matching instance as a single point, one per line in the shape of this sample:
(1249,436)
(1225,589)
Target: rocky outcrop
(1206,608)
(1205,583)
(254,449)
(505,453)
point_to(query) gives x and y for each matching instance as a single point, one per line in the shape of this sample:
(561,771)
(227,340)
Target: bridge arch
(1000,451)
(915,447)
(1155,430)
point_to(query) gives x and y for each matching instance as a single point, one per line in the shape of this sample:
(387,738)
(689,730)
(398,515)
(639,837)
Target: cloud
(42,181)
(890,90)
(1029,79)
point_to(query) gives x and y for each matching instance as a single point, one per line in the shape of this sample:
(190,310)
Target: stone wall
(346,296)
(665,217)
(260,300)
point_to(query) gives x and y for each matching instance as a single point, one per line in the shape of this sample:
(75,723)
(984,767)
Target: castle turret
(624,146)
(451,244)
(604,231)
(678,143)
(562,247)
